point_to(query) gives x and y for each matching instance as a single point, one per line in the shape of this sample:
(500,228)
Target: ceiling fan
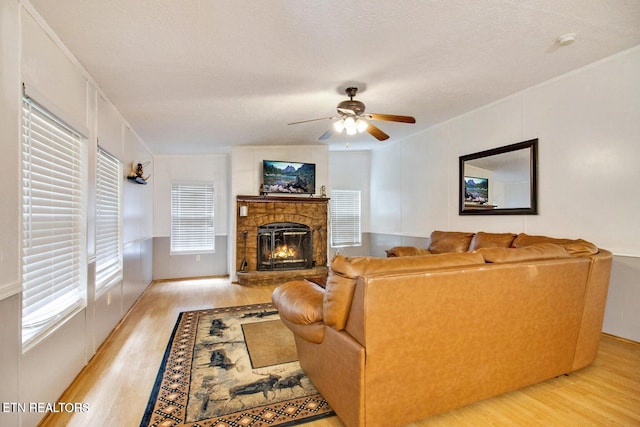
(353,119)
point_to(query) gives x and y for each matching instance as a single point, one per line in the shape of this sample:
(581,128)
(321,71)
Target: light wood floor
(117,381)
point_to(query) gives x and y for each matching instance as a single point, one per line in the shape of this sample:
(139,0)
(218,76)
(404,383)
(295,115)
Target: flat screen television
(288,177)
(476,190)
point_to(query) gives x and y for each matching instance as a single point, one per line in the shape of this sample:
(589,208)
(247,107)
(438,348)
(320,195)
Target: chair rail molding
(9,290)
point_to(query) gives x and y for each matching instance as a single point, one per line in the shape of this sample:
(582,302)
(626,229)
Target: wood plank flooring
(117,381)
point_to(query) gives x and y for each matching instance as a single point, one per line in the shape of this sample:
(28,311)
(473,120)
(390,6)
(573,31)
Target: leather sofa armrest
(300,304)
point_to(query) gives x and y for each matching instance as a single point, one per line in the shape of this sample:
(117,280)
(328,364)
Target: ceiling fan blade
(312,120)
(328,134)
(377,133)
(392,118)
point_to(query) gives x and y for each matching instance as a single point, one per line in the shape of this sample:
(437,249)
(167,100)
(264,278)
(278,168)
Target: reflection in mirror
(500,181)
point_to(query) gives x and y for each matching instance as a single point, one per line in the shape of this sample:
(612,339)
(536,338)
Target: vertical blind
(53,222)
(192,218)
(345,218)
(108,221)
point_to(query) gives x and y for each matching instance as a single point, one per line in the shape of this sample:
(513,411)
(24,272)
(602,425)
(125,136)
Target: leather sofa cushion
(450,241)
(345,270)
(406,251)
(577,247)
(491,240)
(537,251)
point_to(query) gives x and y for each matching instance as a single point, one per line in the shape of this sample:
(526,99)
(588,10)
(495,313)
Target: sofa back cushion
(345,270)
(534,252)
(576,247)
(449,241)
(406,251)
(491,240)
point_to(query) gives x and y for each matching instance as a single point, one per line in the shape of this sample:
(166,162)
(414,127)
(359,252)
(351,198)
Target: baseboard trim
(627,340)
(175,279)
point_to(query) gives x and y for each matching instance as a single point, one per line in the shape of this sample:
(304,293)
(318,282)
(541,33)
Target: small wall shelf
(137,180)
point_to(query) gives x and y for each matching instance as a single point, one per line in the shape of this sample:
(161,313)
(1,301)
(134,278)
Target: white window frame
(346,218)
(192,218)
(54,217)
(109,264)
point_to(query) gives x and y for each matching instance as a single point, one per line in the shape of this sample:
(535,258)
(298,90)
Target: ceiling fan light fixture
(352,130)
(361,125)
(349,123)
(339,125)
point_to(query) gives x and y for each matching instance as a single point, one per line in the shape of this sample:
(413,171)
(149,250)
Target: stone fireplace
(280,238)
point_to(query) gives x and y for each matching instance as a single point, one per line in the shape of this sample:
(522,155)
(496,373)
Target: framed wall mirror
(500,181)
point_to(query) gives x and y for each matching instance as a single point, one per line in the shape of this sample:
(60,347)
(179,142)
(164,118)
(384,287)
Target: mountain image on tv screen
(476,190)
(288,177)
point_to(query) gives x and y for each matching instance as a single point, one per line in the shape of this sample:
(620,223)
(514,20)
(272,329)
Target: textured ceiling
(199,76)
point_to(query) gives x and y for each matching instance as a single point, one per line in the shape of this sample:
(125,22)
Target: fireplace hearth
(284,246)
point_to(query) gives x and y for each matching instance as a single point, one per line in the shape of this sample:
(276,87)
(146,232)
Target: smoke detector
(566,40)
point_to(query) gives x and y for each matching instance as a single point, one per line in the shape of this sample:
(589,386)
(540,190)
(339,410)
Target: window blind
(108,221)
(192,218)
(53,223)
(345,218)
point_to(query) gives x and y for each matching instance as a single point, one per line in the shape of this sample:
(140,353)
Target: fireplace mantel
(260,210)
(282,199)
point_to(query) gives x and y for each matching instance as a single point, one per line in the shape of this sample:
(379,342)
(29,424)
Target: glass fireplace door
(284,246)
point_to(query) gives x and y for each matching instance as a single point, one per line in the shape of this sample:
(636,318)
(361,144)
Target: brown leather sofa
(393,340)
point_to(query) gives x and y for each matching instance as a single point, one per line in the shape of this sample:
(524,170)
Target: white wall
(246,165)
(350,170)
(211,169)
(30,53)
(138,199)
(9,153)
(588,129)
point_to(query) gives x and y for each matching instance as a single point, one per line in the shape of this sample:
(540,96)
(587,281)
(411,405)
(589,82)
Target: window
(53,223)
(192,218)
(108,222)
(345,218)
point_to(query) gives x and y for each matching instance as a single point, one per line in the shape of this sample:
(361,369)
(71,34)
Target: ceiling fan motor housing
(356,106)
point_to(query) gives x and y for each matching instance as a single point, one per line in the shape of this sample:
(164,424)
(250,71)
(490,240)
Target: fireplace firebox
(285,246)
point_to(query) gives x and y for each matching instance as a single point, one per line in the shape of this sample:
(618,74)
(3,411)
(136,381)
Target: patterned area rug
(235,367)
